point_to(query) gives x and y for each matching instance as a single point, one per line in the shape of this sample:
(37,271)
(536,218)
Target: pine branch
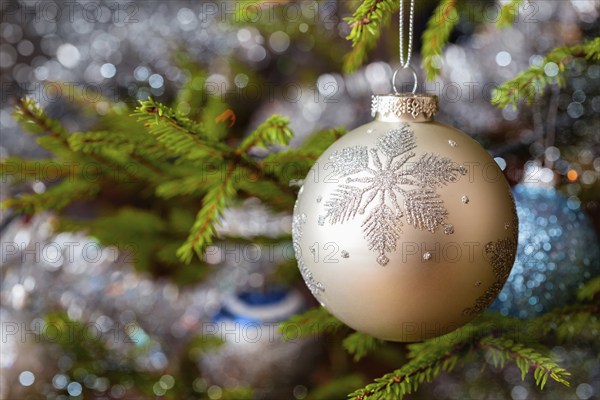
(19,170)
(180,135)
(275,130)
(501,350)
(124,142)
(359,344)
(436,35)
(34,119)
(187,186)
(269,192)
(336,388)
(366,25)
(295,164)
(213,204)
(429,358)
(56,198)
(319,141)
(590,290)
(169,116)
(508,13)
(314,322)
(568,323)
(535,79)
(441,356)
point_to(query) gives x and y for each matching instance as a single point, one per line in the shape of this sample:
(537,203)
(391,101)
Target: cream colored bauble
(405,228)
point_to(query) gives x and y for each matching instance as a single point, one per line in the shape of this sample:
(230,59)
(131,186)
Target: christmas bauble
(558,251)
(405,228)
(253,353)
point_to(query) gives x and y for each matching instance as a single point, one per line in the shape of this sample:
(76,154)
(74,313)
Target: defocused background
(83,323)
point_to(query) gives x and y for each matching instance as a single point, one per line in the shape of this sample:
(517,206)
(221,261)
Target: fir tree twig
(366,25)
(501,350)
(436,35)
(213,204)
(315,322)
(552,70)
(508,13)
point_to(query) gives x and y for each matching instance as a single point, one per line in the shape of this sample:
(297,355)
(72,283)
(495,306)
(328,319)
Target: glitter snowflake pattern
(392,187)
(315,287)
(502,254)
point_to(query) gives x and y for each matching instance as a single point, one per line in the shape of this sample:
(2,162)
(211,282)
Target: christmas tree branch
(295,164)
(125,142)
(436,35)
(441,356)
(180,135)
(314,322)
(501,349)
(552,70)
(33,119)
(359,344)
(508,13)
(56,198)
(16,169)
(276,196)
(213,204)
(438,355)
(366,24)
(275,130)
(590,291)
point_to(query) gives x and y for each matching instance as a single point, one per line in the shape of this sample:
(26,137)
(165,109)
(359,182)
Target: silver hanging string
(405,64)
(411,15)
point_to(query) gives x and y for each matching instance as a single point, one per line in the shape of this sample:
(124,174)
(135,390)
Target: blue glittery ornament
(557,252)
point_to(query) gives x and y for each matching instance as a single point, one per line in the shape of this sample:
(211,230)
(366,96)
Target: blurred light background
(260,58)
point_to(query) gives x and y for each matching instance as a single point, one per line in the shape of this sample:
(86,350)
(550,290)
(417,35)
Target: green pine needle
(552,70)
(500,350)
(359,344)
(213,204)
(436,35)
(366,25)
(34,119)
(508,13)
(56,198)
(275,130)
(314,322)
(590,290)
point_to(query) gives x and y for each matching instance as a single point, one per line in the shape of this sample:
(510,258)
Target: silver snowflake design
(391,187)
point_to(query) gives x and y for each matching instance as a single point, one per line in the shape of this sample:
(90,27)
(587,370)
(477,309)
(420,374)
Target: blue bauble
(557,253)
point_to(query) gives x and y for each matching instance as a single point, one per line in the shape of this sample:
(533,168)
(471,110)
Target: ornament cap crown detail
(407,107)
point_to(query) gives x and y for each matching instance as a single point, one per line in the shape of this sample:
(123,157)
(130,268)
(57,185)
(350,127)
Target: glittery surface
(558,250)
(315,287)
(349,160)
(448,229)
(389,188)
(501,254)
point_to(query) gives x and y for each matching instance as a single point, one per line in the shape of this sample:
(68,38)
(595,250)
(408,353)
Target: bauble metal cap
(404,107)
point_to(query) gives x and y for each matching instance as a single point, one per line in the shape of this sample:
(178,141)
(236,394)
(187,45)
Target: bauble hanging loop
(415,79)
